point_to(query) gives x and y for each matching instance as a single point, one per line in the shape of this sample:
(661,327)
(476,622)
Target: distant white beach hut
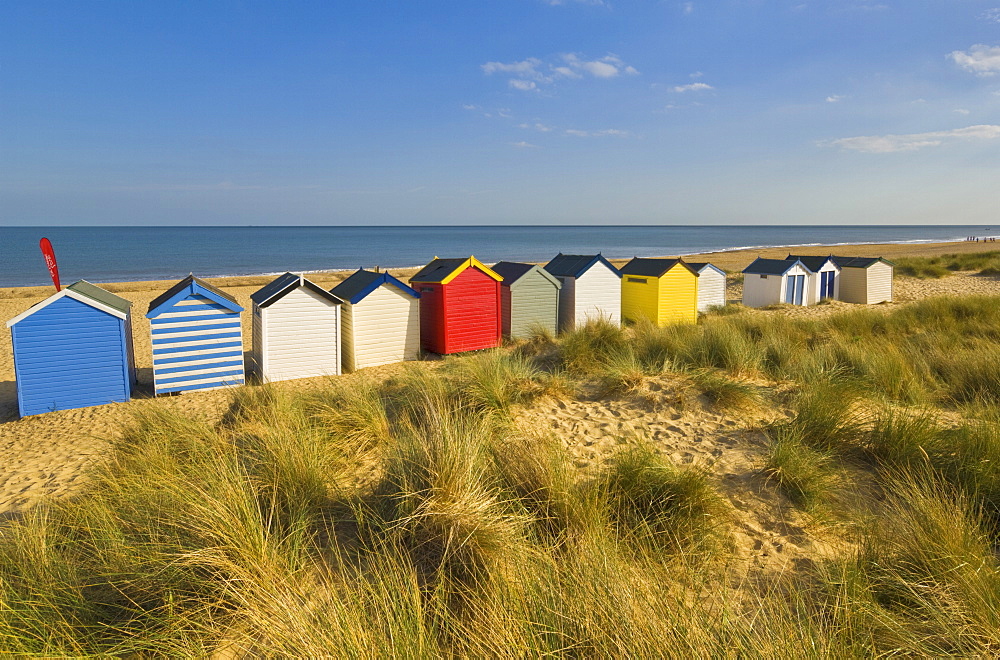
(711,285)
(865,280)
(197,338)
(380,320)
(772,281)
(824,279)
(591,289)
(296,330)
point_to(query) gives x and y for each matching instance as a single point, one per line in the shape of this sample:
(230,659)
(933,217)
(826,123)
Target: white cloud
(687,8)
(608,132)
(469,106)
(528,74)
(541,128)
(991,15)
(961,111)
(981,59)
(524,145)
(883,144)
(526,68)
(834,98)
(695,75)
(692,87)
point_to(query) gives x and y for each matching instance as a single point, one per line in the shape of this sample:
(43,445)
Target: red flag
(50,261)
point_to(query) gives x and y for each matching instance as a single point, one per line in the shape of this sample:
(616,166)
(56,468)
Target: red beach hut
(459,305)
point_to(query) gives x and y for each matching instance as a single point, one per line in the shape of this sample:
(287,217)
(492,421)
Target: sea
(125,254)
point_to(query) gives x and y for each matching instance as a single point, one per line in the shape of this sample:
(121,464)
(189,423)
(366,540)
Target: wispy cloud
(961,111)
(883,144)
(835,98)
(991,15)
(527,75)
(981,59)
(691,87)
(524,145)
(687,8)
(608,132)
(541,128)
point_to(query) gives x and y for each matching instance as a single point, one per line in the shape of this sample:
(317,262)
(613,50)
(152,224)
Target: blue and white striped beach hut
(197,338)
(73,350)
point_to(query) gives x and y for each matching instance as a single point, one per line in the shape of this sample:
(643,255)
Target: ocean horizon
(125,254)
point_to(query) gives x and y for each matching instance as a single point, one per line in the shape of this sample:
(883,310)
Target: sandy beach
(49,455)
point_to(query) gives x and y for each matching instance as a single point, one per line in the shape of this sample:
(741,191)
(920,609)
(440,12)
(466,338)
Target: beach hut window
(637,280)
(763,277)
(427,289)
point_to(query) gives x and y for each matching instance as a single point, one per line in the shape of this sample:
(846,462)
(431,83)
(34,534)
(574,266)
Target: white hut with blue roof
(296,330)
(73,350)
(773,281)
(591,289)
(824,279)
(380,323)
(197,338)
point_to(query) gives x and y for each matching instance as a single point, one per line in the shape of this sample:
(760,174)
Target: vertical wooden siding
(879,284)
(197,345)
(567,304)
(301,336)
(70,355)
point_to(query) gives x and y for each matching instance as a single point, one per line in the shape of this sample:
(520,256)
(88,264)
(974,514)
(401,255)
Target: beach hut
(379,320)
(711,285)
(591,289)
(824,279)
(865,280)
(664,291)
(772,281)
(529,298)
(459,305)
(197,338)
(295,331)
(73,350)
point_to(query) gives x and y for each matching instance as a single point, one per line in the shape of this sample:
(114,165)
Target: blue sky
(513,112)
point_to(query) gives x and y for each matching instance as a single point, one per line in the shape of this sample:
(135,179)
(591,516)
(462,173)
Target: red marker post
(50,261)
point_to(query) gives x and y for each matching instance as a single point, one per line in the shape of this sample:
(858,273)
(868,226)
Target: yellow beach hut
(664,291)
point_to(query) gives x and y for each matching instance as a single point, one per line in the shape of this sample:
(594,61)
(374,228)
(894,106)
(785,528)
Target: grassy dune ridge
(415,517)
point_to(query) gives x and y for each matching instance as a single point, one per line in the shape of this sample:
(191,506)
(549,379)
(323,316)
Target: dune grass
(413,518)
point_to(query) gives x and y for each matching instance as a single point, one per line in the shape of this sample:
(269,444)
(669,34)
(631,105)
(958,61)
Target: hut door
(826,284)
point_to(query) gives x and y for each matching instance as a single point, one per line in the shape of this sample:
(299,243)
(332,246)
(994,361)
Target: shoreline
(726,258)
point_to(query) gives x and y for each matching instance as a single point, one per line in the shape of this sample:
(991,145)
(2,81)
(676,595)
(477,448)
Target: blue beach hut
(197,338)
(73,350)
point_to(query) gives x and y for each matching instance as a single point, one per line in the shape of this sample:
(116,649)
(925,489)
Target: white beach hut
(865,280)
(296,330)
(772,281)
(591,289)
(380,320)
(824,279)
(711,285)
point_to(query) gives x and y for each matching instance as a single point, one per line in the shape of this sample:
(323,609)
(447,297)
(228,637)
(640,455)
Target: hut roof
(356,287)
(811,262)
(189,285)
(859,262)
(442,271)
(285,284)
(575,265)
(762,266)
(700,266)
(512,271)
(86,293)
(653,267)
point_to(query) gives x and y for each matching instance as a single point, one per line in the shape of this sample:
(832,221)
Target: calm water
(122,254)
